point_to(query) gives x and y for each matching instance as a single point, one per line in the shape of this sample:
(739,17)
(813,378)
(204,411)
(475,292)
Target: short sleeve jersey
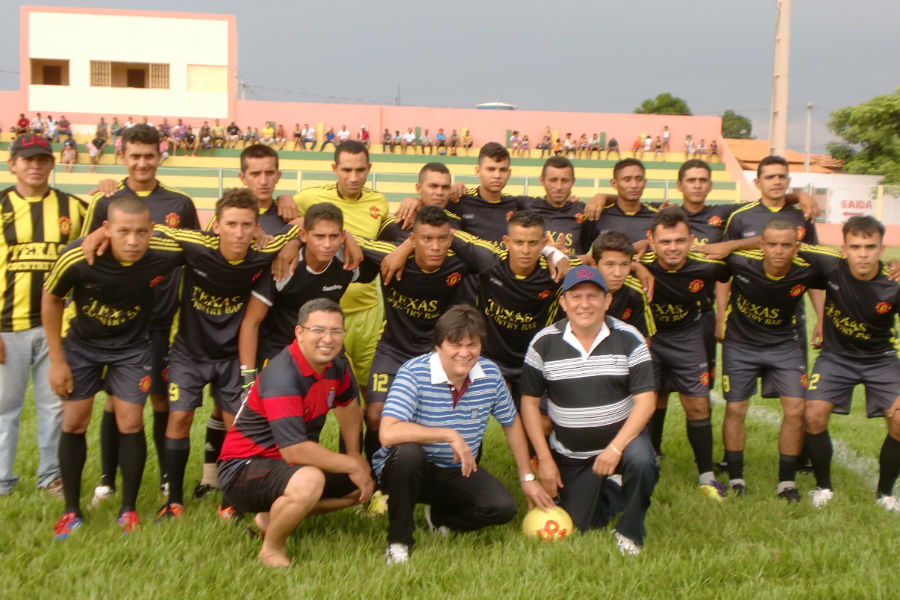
(111,301)
(287,405)
(630,304)
(366,217)
(708,224)
(860,316)
(761,308)
(679,296)
(215,292)
(635,225)
(749,220)
(421,394)
(35,231)
(591,394)
(564,223)
(269,220)
(284,298)
(482,218)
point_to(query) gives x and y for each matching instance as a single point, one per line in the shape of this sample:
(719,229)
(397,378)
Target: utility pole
(778,119)
(808,136)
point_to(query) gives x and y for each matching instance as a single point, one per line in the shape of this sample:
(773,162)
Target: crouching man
(271,462)
(432,427)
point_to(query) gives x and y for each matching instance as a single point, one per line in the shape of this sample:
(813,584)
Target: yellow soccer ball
(550,526)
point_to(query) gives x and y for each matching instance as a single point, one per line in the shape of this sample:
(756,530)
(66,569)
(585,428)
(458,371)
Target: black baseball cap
(30,145)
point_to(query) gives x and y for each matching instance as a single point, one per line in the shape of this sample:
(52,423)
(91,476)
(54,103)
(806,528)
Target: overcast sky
(578,55)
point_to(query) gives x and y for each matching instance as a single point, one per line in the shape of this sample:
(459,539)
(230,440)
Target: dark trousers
(460,503)
(584,493)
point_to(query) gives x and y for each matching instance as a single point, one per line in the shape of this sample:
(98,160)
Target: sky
(577,55)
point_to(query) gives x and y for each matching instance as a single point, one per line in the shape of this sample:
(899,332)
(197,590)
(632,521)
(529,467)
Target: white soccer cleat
(890,503)
(396,554)
(821,497)
(101,494)
(627,546)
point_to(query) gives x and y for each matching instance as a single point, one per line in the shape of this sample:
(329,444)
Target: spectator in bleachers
(648,145)
(37,125)
(363,136)
(22,124)
(398,139)
(164,127)
(95,150)
(218,135)
(115,129)
(659,155)
(701,150)
(188,141)
(583,147)
(330,138)
(409,139)
(557,147)
(467,141)
(526,150)
(69,153)
(713,151)
(595,144)
(343,134)
(613,146)
(50,129)
(514,143)
(440,141)
(636,147)
(234,135)
(146,121)
(665,138)
(267,136)
(426,142)
(688,146)
(204,139)
(280,136)
(546,143)
(309,136)
(128,123)
(248,137)
(163,146)
(453,142)
(63,127)
(569,146)
(387,141)
(177,134)
(297,136)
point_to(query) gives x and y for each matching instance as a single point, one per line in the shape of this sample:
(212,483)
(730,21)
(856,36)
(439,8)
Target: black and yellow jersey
(394,233)
(679,296)
(635,225)
(269,220)
(761,308)
(35,232)
(630,304)
(111,302)
(749,220)
(483,218)
(860,316)
(564,223)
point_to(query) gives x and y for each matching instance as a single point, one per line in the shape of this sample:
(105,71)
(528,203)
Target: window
(101,73)
(132,75)
(49,71)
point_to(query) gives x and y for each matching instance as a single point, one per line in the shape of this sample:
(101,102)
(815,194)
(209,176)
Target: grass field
(755,547)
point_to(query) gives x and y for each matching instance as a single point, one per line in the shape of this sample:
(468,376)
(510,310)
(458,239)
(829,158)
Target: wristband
(247,378)
(614,449)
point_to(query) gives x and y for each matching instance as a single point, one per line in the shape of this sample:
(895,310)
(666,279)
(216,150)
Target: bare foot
(276,560)
(261,520)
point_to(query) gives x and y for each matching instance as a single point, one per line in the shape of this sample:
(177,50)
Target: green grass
(757,547)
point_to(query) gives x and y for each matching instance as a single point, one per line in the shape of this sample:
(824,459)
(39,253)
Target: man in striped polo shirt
(432,427)
(598,375)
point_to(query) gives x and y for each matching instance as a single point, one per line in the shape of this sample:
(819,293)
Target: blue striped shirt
(421,394)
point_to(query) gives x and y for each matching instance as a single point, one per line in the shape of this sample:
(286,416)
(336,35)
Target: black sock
(787,467)
(699,433)
(109,449)
(372,443)
(889,461)
(215,436)
(72,454)
(819,449)
(177,452)
(160,420)
(735,460)
(656,428)
(132,457)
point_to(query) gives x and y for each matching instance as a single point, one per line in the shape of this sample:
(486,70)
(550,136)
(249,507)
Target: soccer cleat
(66,524)
(627,546)
(229,513)
(790,494)
(442,530)
(396,554)
(821,497)
(890,503)
(169,511)
(101,494)
(378,504)
(737,488)
(714,489)
(128,521)
(202,490)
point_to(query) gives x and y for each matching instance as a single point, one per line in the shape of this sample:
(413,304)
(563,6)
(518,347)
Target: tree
(871,137)
(735,126)
(663,104)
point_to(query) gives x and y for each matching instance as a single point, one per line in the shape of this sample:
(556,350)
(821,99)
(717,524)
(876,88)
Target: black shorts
(123,372)
(833,378)
(259,482)
(188,375)
(381,375)
(159,364)
(680,361)
(781,367)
